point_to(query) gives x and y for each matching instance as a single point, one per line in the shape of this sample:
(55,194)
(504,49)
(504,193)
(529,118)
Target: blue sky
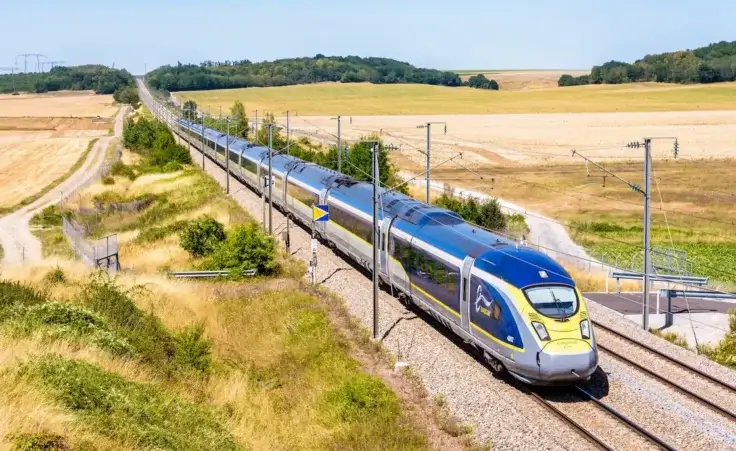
(521,34)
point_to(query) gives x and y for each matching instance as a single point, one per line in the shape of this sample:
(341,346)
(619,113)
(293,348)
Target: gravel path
(18,242)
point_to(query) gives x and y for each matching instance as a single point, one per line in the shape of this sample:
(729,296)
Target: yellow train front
(555,341)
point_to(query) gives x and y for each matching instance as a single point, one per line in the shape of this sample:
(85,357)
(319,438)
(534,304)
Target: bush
(246,247)
(201,237)
(140,414)
(152,343)
(107,180)
(172,166)
(43,441)
(48,217)
(120,169)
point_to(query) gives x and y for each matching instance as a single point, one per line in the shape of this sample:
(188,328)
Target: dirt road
(19,245)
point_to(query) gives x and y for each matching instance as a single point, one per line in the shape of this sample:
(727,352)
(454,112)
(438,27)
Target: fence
(95,177)
(98,253)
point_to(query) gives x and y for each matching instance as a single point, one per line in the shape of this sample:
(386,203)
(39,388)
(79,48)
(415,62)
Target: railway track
(712,405)
(587,433)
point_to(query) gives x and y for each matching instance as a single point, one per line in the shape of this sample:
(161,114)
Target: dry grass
(565,192)
(61,104)
(405,99)
(535,138)
(28,167)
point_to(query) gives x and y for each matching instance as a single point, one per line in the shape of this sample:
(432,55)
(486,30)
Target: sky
(515,34)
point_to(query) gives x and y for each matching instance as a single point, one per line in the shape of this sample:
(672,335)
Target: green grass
(142,415)
(46,226)
(369,99)
(30,199)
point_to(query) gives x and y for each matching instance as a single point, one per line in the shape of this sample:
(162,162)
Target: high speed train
(517,306)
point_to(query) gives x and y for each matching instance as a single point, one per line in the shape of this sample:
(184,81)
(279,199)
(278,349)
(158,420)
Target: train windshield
(554,301)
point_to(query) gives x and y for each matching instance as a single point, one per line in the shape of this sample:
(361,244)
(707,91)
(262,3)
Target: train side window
(407,257)
(441,274)
(452,277)
(419,265)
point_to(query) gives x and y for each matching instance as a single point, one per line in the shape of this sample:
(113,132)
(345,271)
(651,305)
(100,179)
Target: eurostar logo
(321,213)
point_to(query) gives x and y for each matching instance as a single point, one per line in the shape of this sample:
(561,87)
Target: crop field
(407,99)
(28,165)
(58,104)
(535,138)
(692,206)
(43,136)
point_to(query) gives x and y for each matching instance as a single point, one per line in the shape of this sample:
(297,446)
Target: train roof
(519,265)
(522,266)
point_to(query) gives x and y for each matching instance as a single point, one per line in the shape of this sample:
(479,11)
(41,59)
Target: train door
(385,251)
(467,265)
(321,226)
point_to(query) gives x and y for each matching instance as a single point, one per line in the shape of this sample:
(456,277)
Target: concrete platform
(710,328)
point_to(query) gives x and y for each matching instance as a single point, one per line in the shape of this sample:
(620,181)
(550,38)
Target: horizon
(425,34)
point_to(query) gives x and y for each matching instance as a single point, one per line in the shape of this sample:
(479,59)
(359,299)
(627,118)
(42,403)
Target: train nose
(567,360)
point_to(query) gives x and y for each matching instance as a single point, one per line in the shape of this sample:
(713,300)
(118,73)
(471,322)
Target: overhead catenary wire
(721,271)
(574,256)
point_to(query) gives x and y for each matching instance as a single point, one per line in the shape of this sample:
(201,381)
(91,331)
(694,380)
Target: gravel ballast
(500,414)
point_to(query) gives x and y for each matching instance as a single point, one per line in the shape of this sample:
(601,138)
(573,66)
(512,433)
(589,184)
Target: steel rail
(670,359)
(621,417)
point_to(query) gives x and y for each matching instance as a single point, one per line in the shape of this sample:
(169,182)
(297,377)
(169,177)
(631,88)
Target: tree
(481,82)
(190,110)
(127,95)
(239,120)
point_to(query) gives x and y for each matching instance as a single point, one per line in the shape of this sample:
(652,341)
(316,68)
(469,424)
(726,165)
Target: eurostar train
(517,306)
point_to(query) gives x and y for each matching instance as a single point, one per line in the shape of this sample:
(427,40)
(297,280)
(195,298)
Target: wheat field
(26,167)
(410,99)
(57,104)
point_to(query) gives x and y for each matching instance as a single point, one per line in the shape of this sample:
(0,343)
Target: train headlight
(585,328)
(541,331)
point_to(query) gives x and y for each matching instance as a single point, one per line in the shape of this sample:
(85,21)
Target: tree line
(711,64)
(95,77)
(293,71)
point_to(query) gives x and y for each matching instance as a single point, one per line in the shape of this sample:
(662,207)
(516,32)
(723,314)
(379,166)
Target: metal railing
(689,294)
(99,252)
(95,177)
(689,280)
(94,253)
(207,274)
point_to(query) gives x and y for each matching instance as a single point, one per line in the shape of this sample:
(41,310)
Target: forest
(245,74)
(711,64)
(98,78)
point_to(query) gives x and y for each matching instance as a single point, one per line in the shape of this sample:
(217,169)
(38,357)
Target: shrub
(15,293)
(246,247)
(48,217)
(172,166)
(107,180)
(202,236)
(54,276)
(43,441)
(141,414)
(120,169)
(148,337)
